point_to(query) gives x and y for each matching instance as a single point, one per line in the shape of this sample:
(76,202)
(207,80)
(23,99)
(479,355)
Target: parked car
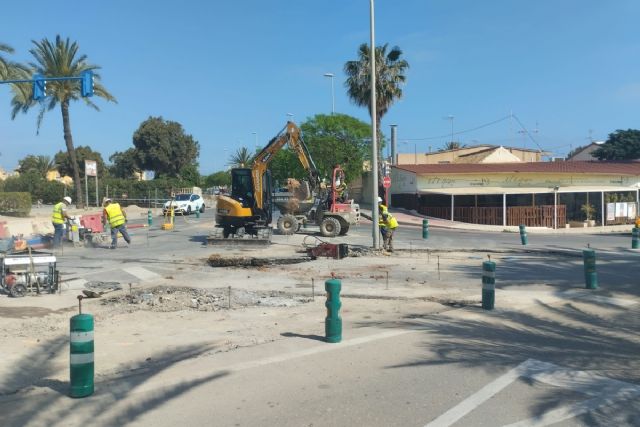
(184,204)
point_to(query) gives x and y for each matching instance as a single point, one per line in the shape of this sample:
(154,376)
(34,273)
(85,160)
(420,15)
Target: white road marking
(141,273)
(604,391)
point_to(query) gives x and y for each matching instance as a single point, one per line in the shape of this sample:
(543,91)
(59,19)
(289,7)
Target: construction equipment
(246,214)
(327,207)
(20,274)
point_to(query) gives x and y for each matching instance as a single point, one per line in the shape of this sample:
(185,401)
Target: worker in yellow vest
(388,224)
(58,218)
(117,221)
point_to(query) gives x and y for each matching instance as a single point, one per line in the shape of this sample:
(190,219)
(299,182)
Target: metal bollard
(81,357)
(635,238)
(425,228)
(590,274)
(149,218)
(333,321)
(488,285)
(523,234)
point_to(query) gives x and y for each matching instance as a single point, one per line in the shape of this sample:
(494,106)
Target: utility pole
(374,131)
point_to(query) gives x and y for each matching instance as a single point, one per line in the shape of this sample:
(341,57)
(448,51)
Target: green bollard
(523,234)
(333,321)
(149,217)
(488,285)
(425,228)
(635,238)
(590,274)
(81,357)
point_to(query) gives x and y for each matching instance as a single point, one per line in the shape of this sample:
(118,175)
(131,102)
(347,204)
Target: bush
(17,204)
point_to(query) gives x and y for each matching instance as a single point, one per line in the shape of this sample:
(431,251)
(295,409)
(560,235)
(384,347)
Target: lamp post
(255,137)
(333,96)
(374,131)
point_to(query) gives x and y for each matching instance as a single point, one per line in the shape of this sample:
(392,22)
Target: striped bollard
(333,321)
(425,228)
(590,274)
(523,234)
(81,358)
(635,238)
(149,218)
(488,285)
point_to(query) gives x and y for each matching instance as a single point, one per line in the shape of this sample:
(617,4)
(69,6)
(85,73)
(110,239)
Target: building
(545,194)
(585,153)
(473,154)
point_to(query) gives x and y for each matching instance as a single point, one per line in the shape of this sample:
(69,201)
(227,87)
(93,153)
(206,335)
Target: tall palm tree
(242,158)
(44,164)
(60,59)
(390,76)
(5,64)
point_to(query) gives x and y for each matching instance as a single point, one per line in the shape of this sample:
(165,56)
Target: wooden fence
(531,216)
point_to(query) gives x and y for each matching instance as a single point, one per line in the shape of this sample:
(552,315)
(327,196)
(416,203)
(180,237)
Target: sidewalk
(412,218)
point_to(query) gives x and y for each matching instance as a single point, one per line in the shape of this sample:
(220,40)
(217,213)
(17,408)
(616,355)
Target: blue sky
(227,69)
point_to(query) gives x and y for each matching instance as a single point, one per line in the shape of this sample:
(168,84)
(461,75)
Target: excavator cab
(242,187)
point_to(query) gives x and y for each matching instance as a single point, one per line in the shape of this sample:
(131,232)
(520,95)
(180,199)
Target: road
(551,353)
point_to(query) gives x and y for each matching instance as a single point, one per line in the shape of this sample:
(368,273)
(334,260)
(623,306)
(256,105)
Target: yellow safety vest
(57,217)
(115,215)
(391,221)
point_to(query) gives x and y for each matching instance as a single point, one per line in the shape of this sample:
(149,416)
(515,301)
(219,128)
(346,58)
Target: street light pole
(255,134)
(374,131)
(333,95)
(450,117)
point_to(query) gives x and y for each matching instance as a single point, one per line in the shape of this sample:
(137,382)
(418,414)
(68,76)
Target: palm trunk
(68,139)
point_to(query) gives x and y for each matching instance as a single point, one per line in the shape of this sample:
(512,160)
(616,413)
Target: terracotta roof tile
(615,168)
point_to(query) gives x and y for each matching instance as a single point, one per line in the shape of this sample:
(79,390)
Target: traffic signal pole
(39,83)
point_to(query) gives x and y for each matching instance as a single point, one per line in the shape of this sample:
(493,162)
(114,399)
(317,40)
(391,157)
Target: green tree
(217,179)
(621,145)
(242,158)
(38,164)
(285,164)
(124,164)
(337,139)
(163,146)
(65,166)
(390,77)
(60,59)
(452,145)
(8,69)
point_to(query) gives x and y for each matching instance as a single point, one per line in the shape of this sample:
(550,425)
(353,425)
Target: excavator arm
(291,135)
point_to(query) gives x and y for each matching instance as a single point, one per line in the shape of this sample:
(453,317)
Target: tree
(60,59)
(163,146)
(8,68)
(390,76)
(38,164)
(337,139)
(621,145)
(65,167)
(218,179)
(242,158)
(124,164)
(453,145)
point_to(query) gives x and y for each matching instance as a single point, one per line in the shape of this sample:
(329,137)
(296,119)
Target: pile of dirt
(169,299)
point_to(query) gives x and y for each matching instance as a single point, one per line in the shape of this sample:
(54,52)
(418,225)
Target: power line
(462,131)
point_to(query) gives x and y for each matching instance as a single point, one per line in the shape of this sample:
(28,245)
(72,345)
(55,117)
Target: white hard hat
(67,200)
(106,200)
(379,199)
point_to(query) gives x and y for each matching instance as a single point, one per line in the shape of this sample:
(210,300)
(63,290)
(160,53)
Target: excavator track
(262,237)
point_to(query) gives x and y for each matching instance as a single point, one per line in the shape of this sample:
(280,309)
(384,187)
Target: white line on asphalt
(604,391)
(141,273)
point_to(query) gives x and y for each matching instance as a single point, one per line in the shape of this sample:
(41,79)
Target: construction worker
(638,222)
(387,224)
(58,218)
(117,221)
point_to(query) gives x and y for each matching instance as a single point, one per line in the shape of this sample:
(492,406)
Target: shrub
(17,204)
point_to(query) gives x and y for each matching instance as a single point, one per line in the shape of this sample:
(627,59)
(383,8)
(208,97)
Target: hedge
(16,204)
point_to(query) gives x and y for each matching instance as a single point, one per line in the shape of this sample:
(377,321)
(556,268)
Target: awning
(471,191)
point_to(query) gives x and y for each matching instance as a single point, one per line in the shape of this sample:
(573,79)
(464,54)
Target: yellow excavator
(246,213)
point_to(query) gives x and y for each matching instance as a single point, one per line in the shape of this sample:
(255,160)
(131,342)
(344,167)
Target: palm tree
(242,158)
(5,65)
(453,145)
(390,76)
(60,59)
(44,164)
